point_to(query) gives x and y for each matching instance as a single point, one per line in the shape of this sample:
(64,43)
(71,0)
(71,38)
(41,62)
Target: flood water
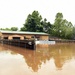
(58,59)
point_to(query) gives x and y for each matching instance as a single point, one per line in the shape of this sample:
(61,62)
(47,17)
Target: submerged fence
(29,44)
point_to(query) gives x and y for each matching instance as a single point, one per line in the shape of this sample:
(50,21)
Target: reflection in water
(62,54)
(59,54)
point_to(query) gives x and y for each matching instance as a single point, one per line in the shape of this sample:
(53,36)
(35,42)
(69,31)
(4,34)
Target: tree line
(10,29)
(61,28)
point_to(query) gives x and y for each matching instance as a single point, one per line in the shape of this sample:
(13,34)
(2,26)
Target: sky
(13,13)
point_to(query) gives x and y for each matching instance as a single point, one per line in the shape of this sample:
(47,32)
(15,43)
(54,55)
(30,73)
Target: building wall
(10,36)
(44,37)
(0,35)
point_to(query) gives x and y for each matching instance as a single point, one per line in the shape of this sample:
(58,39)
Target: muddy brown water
(58,59)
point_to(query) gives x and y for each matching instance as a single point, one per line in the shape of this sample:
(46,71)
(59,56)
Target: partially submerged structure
(25,39)
(19,35)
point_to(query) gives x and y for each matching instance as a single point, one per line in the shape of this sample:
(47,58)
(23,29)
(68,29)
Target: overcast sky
(15,12)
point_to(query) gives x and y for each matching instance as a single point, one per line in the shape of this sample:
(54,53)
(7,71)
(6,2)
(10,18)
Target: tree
(67,29)
(73,34)
(7,29)
(62,28)
(57,24)
(33,23)
(46,26)
(14,28)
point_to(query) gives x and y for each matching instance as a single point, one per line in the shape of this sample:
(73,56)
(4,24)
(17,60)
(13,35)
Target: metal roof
(22,32)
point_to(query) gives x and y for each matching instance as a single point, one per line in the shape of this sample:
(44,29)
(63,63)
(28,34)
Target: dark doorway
(16,38)
(5,37)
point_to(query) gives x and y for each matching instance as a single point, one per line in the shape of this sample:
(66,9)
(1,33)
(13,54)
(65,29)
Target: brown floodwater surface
(58,59)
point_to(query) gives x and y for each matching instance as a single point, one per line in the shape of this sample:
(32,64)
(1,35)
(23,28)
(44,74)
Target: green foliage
(57,25)
(7,29)
(33,23)
(46,26)
(73,34)
(62,28)
(14,28)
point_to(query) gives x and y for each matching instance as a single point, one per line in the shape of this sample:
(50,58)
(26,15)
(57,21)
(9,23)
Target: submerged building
(19,35)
